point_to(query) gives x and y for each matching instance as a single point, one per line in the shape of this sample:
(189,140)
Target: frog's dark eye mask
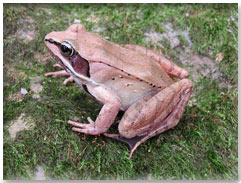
(78,63)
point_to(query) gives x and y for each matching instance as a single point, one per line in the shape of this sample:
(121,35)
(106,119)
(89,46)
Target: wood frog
(128,77)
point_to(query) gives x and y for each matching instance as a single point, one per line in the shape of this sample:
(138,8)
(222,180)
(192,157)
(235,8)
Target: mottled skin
(131,78)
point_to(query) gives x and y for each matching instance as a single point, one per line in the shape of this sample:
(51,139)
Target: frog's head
(64,49)
(63,45)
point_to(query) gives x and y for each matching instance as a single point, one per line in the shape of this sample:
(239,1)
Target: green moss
(214,30)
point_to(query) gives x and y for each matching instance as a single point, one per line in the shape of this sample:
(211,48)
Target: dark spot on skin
(153,86)
(128,85)
(128,74)
(85,88)
(113,78)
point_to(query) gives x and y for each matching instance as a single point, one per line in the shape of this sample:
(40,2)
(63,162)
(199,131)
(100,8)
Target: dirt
(170,35)
(27,31)
(198,66)
(22,123)
(93,18)
(39,174)
(13,73)
(42,58)
(18,96)
(36,86)
(201,67)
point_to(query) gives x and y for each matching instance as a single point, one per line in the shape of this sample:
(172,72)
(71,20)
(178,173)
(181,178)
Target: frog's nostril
(50,40)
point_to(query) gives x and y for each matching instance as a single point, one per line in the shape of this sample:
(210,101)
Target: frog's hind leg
(168,123)
(171,121)
(160,113)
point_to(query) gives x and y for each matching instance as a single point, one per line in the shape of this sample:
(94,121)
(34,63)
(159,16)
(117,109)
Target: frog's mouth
(51,48)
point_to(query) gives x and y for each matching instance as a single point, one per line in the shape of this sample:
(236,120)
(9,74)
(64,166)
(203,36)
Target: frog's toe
(90,130)
(78,125)
(58,65)
(90,120)
(80,130)
(57,73)
(69,79)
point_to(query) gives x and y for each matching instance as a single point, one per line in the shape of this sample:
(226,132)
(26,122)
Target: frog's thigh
(171,68)
(157,114)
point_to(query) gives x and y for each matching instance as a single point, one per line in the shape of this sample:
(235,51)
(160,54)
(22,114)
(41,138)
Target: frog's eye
(67,49)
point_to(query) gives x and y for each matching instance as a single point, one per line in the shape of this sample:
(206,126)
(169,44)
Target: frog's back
(94,48)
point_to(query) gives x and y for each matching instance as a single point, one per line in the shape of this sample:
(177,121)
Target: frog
(150,89)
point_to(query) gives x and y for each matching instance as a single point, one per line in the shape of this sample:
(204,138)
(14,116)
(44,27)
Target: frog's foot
(90,128)
(131,142)
(85,128)
(60,73)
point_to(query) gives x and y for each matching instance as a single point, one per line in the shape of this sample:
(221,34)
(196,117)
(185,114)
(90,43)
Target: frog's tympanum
(128,77)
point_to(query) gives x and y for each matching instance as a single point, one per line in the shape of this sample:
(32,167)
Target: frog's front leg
(106,116)
(60,73)
(161,112)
